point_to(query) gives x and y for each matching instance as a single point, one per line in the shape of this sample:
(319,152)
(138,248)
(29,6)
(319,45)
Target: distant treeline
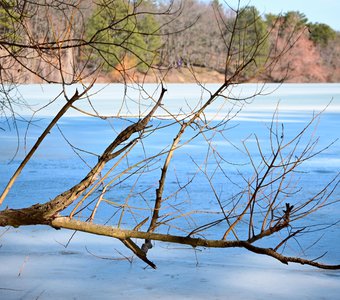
(314,55)
(190,33)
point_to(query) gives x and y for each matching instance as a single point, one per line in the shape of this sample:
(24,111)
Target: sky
(320,11)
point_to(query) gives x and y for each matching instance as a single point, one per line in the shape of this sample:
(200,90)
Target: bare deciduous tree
(264,207)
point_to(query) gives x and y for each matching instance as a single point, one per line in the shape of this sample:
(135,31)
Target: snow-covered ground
(35,265)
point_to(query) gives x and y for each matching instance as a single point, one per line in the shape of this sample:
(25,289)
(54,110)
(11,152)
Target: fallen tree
(266,205)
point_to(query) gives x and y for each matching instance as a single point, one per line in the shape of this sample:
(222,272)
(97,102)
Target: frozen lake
(35,264)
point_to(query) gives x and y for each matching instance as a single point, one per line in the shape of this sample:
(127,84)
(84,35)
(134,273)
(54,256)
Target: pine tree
(120,36)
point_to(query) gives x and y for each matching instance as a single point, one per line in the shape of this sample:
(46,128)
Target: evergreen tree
(321,33)
(248,37)
(120,36)
(8,21)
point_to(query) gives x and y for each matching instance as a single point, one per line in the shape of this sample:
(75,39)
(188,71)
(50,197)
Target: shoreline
(182,75)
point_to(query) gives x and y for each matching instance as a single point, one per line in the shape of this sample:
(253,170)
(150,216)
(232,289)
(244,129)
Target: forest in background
(188,40)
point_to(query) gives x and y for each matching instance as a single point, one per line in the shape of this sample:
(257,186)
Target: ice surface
(35,264)
(108,99)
